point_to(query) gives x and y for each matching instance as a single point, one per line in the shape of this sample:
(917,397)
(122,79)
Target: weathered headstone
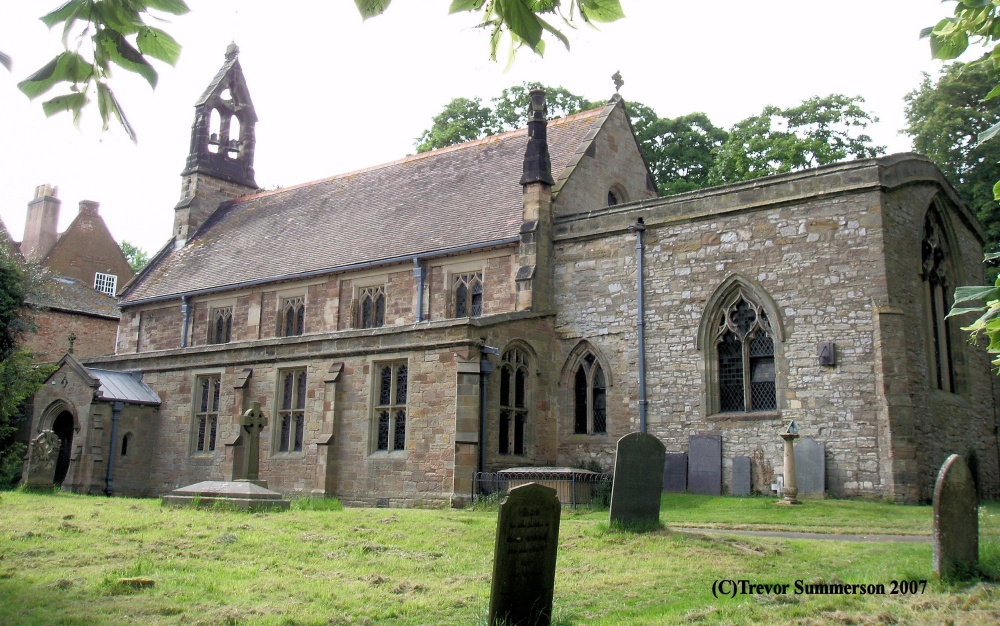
(524,559)
(675,473)
(810,467)
(956,520)
(742,481)
(638,483)
(42,459)
(705,464)
(252,422)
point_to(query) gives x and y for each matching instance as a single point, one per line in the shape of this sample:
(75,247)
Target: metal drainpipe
(639,227)
(116,410)
(418,273)
(186,314)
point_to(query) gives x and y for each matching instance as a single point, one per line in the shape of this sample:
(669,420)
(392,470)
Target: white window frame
(103,282)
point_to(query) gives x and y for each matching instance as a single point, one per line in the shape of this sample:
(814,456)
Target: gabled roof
(463,195)
(72,296)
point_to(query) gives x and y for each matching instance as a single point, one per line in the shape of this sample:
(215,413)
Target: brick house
(355,310)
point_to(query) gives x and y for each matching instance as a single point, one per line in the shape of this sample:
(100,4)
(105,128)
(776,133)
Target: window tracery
(513,402)
(744,346)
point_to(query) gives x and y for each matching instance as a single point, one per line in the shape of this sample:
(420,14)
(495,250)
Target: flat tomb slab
(240,494)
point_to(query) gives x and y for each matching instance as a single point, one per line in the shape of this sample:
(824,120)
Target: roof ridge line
(423,155)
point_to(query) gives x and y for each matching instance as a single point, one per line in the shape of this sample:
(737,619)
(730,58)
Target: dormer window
(106,283)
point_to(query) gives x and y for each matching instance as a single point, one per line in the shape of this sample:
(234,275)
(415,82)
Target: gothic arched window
(371,307)
(468,294)
(744,350)
(513,401)
(221,330)
(293,317)
(935,272)
(590,392)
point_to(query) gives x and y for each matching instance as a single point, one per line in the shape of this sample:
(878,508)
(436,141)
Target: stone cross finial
(253,422)
(617,78)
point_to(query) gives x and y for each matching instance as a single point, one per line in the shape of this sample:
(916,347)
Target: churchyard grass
(62,557)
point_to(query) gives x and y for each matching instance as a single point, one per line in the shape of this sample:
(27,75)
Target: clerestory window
(371,307)
(293,317)
(221,325)
(467,292)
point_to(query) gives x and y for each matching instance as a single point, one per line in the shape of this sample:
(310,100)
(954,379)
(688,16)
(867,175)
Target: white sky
(334,95)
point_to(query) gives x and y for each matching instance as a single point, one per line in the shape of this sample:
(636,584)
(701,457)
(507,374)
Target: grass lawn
(61,557)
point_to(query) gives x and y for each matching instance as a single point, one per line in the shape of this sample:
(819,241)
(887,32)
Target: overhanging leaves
(371,8)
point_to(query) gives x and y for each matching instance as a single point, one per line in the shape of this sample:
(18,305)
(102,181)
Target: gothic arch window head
(514,398)
(617,195)
(293,317)
(468,294)
(371,307)
(590,397)
(740,337)
(936,276)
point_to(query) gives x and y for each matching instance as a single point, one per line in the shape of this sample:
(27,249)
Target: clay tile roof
(70,295)
(457,196)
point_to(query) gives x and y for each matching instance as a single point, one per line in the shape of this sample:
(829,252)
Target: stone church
(478,307)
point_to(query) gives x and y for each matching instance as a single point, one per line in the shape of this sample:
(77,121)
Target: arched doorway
(62,426)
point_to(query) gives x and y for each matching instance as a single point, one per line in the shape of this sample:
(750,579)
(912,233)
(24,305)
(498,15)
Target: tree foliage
(945,118)
(18,378)
(819,131)
(137,257)
(99,34)
(680,151)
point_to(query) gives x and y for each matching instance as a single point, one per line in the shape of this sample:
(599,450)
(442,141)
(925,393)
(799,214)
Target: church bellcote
(220,162)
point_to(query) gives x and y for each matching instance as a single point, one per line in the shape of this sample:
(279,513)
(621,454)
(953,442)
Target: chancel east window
(513,401)
(935,275)
(468,294)
(106,283)
(390,406)
(206,417)
(293,317)
(744,348)
(590,391)
(371,307)
(291,414)
(221,325)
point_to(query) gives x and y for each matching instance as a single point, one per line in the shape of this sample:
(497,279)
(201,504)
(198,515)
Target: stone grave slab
(239,494)
(956,520)
(810,467)
(742,480)
(675,473)
(524,557)
(638,483)
(705,464)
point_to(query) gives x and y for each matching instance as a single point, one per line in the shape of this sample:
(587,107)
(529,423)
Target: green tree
(680,151)
(18,378)
(136,256)
(945,118)
(819,131)
(99,34)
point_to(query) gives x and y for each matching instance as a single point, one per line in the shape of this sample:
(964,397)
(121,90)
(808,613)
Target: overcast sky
(334,94)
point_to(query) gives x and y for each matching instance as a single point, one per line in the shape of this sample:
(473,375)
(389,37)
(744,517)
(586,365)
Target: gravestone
(252,422)
(675,473)
(705,464)
(635,492)
(44,451)
(810,467)
(742,481)
(956,521)
(524,558)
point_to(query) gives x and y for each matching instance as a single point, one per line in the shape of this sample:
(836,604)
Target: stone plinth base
(237,494)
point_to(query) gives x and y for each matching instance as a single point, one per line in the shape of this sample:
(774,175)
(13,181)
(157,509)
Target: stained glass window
(221,328)
(371,310)
(206,420)
(291,415)
(467,290)
(591,410)
(293,315)
(744,350)
(513,402)
(390,408)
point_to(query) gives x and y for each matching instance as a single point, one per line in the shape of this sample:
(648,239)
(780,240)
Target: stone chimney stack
(534,274)
(40,229)
(89,207)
